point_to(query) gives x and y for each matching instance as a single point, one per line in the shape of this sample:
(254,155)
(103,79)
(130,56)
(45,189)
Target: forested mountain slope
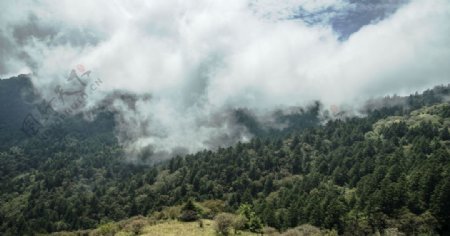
(15,103)
(356,175)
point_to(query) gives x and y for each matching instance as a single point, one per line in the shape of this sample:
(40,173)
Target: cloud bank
(190,62)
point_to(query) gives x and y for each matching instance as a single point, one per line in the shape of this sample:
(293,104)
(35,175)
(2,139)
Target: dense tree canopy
(357,175)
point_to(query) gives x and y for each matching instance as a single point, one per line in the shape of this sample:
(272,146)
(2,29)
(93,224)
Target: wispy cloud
(199,58)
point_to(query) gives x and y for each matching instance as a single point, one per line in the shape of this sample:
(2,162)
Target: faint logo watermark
(65,102)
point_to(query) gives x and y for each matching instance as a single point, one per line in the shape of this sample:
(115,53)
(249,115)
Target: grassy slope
(176,228)
(151,228)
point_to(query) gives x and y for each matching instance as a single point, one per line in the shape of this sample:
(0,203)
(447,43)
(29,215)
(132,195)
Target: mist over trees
(355,175)
(237,117)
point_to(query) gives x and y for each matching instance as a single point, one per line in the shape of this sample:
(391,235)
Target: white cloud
(198,58)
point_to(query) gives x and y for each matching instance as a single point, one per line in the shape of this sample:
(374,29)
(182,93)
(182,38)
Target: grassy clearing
(177,228)
(151,228)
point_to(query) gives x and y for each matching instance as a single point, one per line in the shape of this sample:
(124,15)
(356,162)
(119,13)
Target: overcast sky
(197,58)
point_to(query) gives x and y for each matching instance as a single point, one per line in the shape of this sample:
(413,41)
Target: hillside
(356,176)
(147,227)
(16,102)
(225,118)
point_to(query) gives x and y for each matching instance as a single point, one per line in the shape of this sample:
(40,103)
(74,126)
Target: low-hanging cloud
(190,62)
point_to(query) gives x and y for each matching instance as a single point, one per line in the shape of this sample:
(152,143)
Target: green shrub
(189,212)
(223,223)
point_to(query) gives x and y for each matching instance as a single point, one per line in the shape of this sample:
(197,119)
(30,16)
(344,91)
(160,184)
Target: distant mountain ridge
(18,99)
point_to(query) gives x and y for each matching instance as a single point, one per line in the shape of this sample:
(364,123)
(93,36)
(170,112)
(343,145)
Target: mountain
(388,169)
(15,104)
